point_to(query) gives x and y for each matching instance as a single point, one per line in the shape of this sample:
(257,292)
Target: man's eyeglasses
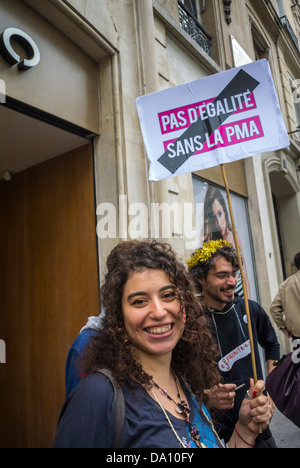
(224,275)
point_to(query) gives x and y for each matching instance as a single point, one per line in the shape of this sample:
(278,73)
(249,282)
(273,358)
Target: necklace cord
(183,406)
(168,419)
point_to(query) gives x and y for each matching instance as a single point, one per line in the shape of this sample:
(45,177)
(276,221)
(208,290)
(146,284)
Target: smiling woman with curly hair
(156,343)
(113,348)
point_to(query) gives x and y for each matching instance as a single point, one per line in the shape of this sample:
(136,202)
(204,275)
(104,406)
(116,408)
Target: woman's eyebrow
(143,293)
(165,288)
(139,293)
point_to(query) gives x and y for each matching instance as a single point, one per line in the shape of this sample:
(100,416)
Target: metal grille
(194,29)
(290,30)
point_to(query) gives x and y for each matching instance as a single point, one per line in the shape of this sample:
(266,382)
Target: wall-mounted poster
(213,222)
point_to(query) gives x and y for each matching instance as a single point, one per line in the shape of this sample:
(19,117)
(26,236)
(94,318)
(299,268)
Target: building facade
(75,173)
(269,29)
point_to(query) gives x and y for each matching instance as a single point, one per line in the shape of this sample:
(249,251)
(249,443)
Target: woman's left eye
(139,302)
(169,296)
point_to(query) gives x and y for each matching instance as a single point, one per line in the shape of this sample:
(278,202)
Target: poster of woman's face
(213,223)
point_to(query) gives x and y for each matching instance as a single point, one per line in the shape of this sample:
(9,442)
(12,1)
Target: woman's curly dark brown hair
(194,357)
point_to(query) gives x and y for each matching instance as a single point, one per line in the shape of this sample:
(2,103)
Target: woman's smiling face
(152,314)
(219,217)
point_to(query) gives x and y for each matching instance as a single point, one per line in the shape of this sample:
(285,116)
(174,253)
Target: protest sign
(212,121)
(209,122)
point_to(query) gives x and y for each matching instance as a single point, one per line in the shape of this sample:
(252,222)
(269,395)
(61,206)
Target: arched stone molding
(282,181)
(282,162)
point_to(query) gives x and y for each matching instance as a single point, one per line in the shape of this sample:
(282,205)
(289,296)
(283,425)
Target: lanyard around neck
(216,328)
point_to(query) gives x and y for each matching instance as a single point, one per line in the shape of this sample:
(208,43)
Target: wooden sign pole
(242,276)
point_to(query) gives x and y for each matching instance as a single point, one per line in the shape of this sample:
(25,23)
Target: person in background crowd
(72,373)
(285,308)
(214,269)
(155,341)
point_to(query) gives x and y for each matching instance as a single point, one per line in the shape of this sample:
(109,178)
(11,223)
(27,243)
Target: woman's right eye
(139,302)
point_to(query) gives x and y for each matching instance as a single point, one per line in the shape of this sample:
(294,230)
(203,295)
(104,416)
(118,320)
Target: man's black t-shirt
(230,329)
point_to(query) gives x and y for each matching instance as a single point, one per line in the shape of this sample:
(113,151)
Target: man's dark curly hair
(297,260)
(200,271)
(194,356)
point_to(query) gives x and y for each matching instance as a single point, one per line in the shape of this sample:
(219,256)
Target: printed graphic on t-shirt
(227,362)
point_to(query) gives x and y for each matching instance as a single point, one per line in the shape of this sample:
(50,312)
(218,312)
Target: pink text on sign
(182,117)
(226,135)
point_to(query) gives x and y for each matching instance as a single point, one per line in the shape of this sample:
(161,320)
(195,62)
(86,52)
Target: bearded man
(215,269)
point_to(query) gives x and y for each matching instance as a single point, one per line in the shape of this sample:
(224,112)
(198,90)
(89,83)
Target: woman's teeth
(159,330)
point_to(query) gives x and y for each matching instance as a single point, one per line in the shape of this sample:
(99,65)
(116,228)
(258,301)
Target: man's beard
(219,297)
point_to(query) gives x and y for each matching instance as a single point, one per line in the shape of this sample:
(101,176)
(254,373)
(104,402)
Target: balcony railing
(194,29)
(284,20)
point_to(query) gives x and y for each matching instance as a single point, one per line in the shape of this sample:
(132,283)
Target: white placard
(215,120)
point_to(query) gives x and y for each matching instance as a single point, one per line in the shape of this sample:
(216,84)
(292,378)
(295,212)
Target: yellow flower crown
(208,249)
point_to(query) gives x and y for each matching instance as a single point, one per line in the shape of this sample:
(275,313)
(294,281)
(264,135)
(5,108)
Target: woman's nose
(158,310)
